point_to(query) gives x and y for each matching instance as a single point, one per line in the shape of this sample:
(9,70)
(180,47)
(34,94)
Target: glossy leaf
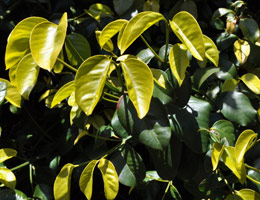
(211,51)
(225,40)
(12,94)
(122,6)
(46,42)
(179,62)
(18,41)
(244,142)
(217,151)
(252,82)
(247,194)
(249,28)
(108,46)
(139,84)
(241,50)
(6,154)
(227,69)
(236,102)
(90,81)
(7,178)
(8,194)
(77,48)
(62,183)
(110,178)
(3,90)
(99,10)
(86,179)
(26,75)
(202,74)
(64,92)
(136,26)
(190,35)
(216,21)
(190,7)
(110,30)
(233,197)
(43,192)
(229,85)
(146,55)
(158,77)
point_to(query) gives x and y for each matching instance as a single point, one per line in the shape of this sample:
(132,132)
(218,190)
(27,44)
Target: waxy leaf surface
(6,154)
(64,92)
(7,177)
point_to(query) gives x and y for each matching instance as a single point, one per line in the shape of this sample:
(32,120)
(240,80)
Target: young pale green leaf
(61,188)
(18,41)
(187,29)
(26,75)
(139,84)
(179,61)
(12,95)
(64,92)
(6,154)
(229,85)
(110,178)
(136,26)
(241,50)
(77,48)
(110,30)
(90,81)
(252,82)
(158,77)
(7,177)
(229,158)
(244,142)
(46,42)
(217,151)
(211,51)
(247,194)
(86,179)
(108,46)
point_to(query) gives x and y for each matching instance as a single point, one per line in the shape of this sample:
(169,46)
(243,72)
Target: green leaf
(139,84)
(202,74)
(225,40)
(108,46)
(190,7)
(252,82)
(64,92)
(216,21)
(233,197)
(110,178)
(3,90)
(249,28)
(90,81)
(241,50)
(136,26)
(61,188)
(77,48)
(12,94)
(121,6)
(8,194)
(236,102)
(158,77)
(247,194)
(7,178)
(26,75)
(43,192)
(227,70)
(229,85)
(187,29)
(146,55)
(110,30)
(86,179)
(217,151)
(179,61)
(46,42)
(99,10)
(6,154)
(18,41)
(244,142)
(118,127)
(211,51)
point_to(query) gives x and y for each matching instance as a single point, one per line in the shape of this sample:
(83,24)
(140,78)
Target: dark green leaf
(43,192)
(7,194)
(121,6)
(216,21)
(201,75)
(225,40)
(249,29)
(227,70)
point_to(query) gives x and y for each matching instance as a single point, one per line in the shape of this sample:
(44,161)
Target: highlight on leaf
(241,50)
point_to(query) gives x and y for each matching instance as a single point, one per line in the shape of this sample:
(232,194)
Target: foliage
(148,99)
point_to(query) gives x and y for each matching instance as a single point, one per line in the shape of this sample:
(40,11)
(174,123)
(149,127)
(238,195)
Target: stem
(258,140)
(167,40)
(159,180)
(225,180)
(253,180)
(67,65)
(155,54)
(120,79)
(113,54)
(110,86)
(253,168)
(20,166)
(166,190)
(111,95)
(102,138)
(109,100)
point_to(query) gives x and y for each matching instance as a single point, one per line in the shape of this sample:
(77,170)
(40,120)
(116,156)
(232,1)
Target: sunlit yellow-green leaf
(46,42)
(244,142)
(136,26)
(58,66)
(248,194)
(12,95)
(7,177)
(179,61)
(252,82)
(98,10)
(110,30)
(139,84)
(211,51)
(229,158)
(110,178)
(90,81)
(241,50)
(86,179)
(233,197)
(158,77)
(26,75)
(18,42)
(187,29)
(80,135)
(108,46)
(12,75)
(217,151)
(6,154)
(229,85)
(64,92)
(61,188)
